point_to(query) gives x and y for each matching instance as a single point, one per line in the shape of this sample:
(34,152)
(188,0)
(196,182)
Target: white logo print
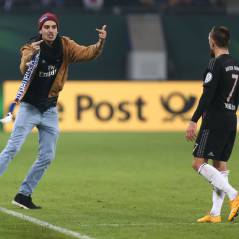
(208,77)
(211,154)
(51,68)
(51,72)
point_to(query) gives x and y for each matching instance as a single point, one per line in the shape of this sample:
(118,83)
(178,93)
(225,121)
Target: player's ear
(40,32)
(213,43)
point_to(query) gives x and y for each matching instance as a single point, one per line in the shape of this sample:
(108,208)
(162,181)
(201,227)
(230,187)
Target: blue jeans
(27,118)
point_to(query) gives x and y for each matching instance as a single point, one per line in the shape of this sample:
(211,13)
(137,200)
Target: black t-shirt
(219,101)
(48,66)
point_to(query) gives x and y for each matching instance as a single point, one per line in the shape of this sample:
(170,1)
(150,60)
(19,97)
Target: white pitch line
(45,224)
(153,224)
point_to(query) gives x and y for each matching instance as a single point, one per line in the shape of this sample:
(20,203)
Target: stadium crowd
(8,5)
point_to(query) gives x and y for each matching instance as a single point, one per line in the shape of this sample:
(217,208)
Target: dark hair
(221,36)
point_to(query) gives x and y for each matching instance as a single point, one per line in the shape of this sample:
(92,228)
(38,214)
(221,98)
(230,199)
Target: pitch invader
(44,63)
(217,107)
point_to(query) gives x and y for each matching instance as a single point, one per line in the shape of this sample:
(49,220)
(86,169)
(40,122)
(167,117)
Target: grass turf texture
(116,186)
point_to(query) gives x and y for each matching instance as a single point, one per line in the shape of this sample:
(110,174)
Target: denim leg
(23,125)
(48,134)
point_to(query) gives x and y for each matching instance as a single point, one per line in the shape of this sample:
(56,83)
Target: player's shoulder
(227,59)
(233,60)
(221,61)
(211,63)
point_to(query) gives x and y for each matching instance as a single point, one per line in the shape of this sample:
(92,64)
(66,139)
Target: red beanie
(48,16)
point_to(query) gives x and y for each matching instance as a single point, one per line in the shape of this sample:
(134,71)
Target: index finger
(104,27)
(38,42)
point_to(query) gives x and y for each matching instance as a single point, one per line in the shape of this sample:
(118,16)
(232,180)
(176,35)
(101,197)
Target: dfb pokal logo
(177,105)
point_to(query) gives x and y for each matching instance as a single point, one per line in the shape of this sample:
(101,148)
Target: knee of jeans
(55,132)
(13,148)
(17,138)
(46,159)
(51,156)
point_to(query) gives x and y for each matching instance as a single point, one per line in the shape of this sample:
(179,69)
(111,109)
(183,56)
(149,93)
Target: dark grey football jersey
(220,90)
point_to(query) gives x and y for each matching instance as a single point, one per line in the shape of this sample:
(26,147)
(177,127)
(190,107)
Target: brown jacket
(72,52)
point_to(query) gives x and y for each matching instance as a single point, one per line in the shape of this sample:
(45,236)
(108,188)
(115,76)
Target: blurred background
(146,84)
(148,40)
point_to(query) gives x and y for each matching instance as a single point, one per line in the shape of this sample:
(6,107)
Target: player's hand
(36,45)
(191,131)
(102,33)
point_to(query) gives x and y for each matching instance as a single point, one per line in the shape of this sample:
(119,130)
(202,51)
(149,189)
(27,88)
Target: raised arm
(83,53)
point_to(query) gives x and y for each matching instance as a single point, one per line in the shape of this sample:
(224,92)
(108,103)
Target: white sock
(214,177)
(218,197)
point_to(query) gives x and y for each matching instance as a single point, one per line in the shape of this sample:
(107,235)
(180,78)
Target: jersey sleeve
(209,89)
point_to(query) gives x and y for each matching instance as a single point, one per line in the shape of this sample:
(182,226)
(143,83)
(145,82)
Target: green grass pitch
(116,186)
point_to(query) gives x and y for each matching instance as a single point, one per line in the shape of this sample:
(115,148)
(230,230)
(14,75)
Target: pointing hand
(102,32)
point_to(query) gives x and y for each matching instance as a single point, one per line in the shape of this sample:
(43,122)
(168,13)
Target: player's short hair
(221,36)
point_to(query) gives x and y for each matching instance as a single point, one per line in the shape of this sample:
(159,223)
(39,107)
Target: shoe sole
(19,205)
(209,222)
(236,214)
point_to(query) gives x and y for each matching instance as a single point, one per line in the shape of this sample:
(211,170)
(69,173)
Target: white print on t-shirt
(208,77)
(51,72)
